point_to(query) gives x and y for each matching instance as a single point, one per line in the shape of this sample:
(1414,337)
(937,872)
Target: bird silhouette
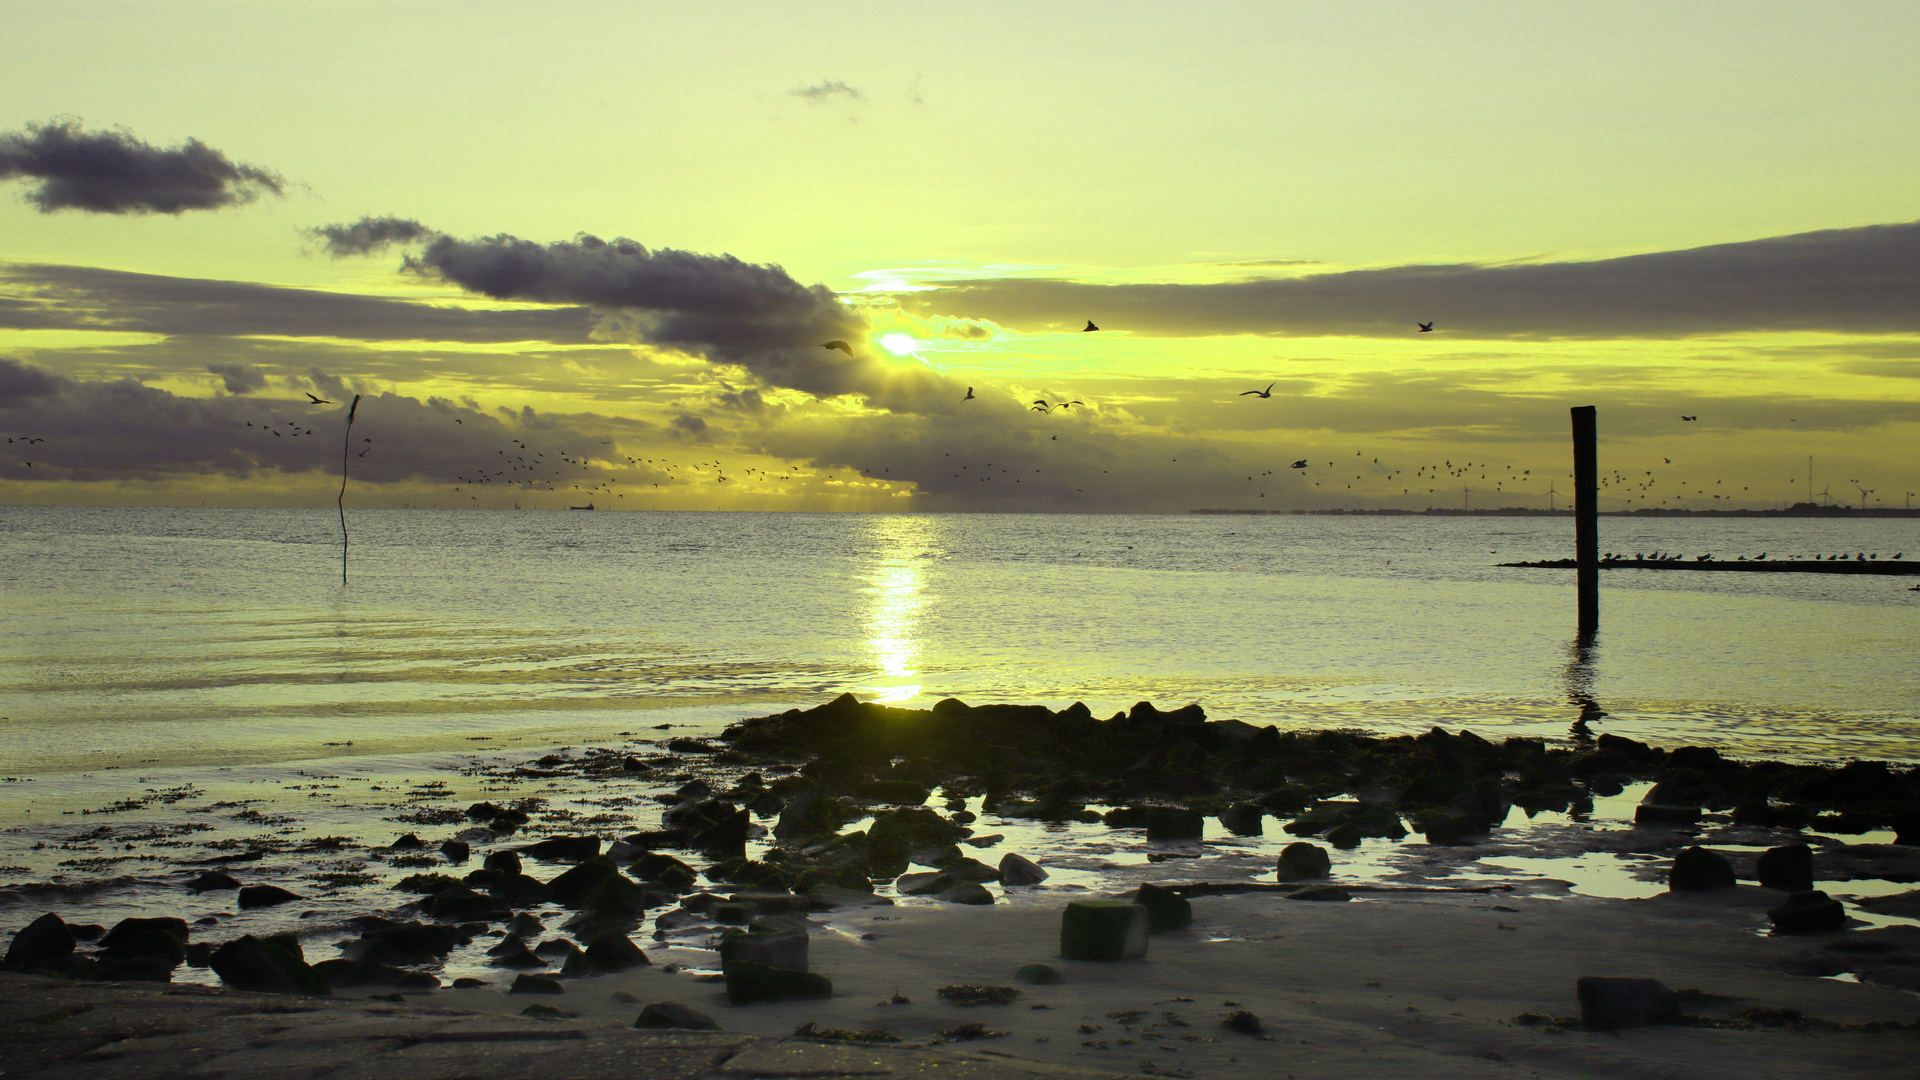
(969,396)
(1040,406)
(1301,464)
(838,344)
(1089,326)
(1267,393)
(1426,327)
(1689,418)
(317,399)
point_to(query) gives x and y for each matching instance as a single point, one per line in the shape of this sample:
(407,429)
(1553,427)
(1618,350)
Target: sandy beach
(1395,985)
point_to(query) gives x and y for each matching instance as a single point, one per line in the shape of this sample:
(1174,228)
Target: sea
(161,661)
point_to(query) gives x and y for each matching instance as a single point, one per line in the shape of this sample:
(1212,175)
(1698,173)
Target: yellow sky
(1029,151)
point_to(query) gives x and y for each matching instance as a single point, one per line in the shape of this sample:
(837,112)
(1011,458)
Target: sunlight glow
(898,344)
(893,584)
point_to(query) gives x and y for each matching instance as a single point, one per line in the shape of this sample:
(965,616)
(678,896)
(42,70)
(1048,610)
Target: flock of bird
(1664,556)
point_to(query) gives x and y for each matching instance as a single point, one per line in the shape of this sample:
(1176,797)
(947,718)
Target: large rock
(775,949)
(750,982)
(672,1014)
(1611,1004)
(1811,912)
(570,849)
(1103,930)
(1696,869)
(1161,822)
(259,896)
(1301,861)
(45,944)
(615,952)
(535,984)
(1788,868)
(384,941)
(1019,870)
(247,963)
(1166,909)
(213,880)
(966,892)
(1243,819)
(896,834)
(158,940)
(344,973)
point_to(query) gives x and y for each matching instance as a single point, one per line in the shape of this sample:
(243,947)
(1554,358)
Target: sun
(897,344)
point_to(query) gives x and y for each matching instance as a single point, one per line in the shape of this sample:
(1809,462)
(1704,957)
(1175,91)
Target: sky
(595,252)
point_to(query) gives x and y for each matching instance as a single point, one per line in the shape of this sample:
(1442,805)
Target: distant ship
(589,506)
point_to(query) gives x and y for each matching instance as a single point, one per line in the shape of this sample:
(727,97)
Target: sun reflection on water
(895,580)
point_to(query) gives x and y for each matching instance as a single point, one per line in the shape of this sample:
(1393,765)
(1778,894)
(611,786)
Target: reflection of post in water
(1579,672)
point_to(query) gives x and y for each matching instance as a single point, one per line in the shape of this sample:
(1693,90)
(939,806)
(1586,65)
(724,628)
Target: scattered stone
(535,984)
(517,956)
(1019,870)
(470,984)
(456,851)
(409,842)
(1666,814)
(779,949)
(1166,909)
(969,1032)
(343,973)
(247,963)
(259,896)
(1696,869)
(1038,975)
(826,897)
(810,1030)
(1810,912)
(616,952)
(1333,893)
(1611,1004)
(672,1014)
(967,994)
(967,892)
(159,943)
(1244,819)
(1788,868)
(1301,861)
(212,880)
(1103,930)
(1243,1021)
(749,982)
(505,862)
(545,1012)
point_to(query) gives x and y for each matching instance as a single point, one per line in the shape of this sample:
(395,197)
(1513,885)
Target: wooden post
(1586,516)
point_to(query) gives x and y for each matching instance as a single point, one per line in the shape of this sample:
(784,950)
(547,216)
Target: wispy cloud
(369,235)
(827,91)
(115,172)
(1860,280)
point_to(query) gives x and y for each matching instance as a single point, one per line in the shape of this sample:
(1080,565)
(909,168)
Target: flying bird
(1089,326)
(1426,327)
(1301,464)
(837,344)
(969,396)
(1039,406)
(1267,393)
(317,399)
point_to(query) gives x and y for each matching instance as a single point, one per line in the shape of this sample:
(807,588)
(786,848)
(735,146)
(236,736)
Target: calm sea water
(178,638)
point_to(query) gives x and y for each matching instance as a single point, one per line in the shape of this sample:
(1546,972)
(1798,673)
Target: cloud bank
(115,172)
(1860,280)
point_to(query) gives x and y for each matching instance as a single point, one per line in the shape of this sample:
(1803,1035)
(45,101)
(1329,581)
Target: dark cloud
(1861,280)
(369,235)
(45,297)
(733,313)
(123,430)
(239,378)
(689,426)
(827,90)
(117,173)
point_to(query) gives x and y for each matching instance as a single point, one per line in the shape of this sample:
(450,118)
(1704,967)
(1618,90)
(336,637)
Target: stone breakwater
(752,837)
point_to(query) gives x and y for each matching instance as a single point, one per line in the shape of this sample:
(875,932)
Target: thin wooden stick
(346,449)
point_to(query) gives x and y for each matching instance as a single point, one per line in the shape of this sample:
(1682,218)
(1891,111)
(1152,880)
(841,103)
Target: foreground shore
(1405,985)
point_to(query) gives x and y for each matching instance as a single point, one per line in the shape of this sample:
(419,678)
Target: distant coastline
(1798,510)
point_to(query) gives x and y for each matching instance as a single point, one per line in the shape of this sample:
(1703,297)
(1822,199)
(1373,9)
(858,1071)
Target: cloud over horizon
(116,172)
(1860,280)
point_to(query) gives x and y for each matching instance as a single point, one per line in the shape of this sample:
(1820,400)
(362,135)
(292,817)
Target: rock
(1166,909)
(468,984)
(1038,975)
(571,849)
(622,851)
(247,963)
(525,924)
(162,939)
(456,851)
(409,842)
(46,943)
(778,949)
(572,886)
(1243,1021)
(388,942)
(827,897)
(728,913)
(1333,893)
(461,904)
(672,1014)
(935,856)
(535,984)
(1455,827)
(259,896)
(615,952)
(344,973)
(506,862)
(515,889)
(1161,822)
(1103,930)
(1243,819)
(1788,868)
(1811,912)
(517,956)
(897,792)
(1696,869)
(1301,861)
(212,880)
(1611,1004)
(749,982)
(967,892)
(1665,814)
(964,869)
(199,954)
(1019,870)
(895,834)
(665,870)
(922,884)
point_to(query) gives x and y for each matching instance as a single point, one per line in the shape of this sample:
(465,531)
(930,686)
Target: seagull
(1426,327)
(1689,418)
(1267,393)
(969,396)
(317,400)
(1089,326)
(1039,406)
(838,344)
(1301,464)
